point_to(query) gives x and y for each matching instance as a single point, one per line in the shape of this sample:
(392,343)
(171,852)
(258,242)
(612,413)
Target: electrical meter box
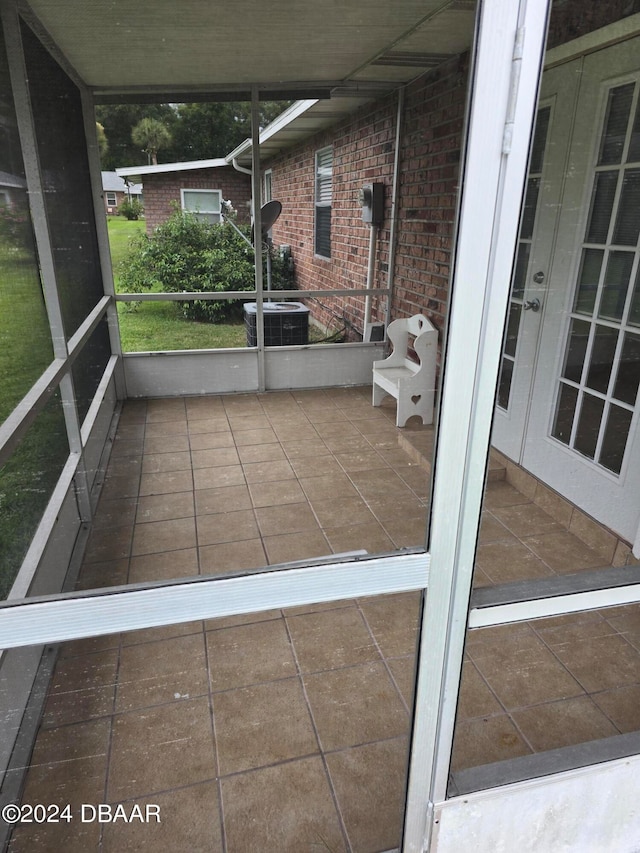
(372,201)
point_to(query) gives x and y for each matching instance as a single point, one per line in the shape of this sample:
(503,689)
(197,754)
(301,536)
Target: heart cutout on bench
(416,399)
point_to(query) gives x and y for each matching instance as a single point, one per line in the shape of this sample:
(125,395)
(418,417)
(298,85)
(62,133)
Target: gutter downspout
(240,168)
(395,191)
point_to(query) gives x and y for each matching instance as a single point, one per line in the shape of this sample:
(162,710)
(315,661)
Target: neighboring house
(567,399)
(116,190)
(198,186)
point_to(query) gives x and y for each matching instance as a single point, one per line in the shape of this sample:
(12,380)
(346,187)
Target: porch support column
(504,82)
(256,197)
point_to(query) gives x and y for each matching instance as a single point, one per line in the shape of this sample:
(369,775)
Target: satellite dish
(269,213)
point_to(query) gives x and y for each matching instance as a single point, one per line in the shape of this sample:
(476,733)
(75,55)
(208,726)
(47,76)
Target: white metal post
(93,154)
(257,232)
(503,88)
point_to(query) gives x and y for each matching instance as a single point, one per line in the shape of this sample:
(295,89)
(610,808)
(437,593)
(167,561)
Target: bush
(131,209)
(187,254)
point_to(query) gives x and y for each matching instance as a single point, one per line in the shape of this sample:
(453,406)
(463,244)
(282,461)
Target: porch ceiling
(129,46)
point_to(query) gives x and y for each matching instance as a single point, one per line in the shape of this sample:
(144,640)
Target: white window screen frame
(205,212)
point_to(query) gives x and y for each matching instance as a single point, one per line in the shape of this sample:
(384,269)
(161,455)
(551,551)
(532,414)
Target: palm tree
(151,135)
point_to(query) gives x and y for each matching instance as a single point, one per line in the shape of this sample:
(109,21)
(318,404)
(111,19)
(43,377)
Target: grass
(158,326)
(28,478)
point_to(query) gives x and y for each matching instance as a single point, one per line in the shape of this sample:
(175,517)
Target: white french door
(570,415)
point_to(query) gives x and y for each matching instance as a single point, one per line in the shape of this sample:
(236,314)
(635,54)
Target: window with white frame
(324,181)
(111,200)
(267,190)
(205,204)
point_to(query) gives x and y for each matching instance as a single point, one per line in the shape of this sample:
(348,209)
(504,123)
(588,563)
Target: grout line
(334,796)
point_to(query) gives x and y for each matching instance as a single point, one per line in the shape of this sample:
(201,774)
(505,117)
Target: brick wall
(162,191)
(363,152)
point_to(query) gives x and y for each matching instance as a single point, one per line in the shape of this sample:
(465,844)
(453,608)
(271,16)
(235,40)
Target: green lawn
(156,326)
(28,478)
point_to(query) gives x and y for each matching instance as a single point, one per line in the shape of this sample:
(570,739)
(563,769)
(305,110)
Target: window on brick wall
(111,200)
(324,171)
(205,204)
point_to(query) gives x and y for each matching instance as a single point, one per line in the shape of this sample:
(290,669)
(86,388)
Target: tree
(151,135)
(119,120)
(198,131)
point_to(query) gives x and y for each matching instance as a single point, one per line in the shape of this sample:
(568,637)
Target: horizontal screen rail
(271,295)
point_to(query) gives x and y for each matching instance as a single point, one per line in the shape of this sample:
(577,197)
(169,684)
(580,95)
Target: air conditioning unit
(285,324)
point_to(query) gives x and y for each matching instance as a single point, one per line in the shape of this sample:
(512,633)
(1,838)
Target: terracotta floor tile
(563,551)
(290,518)
(154,749)
(164,632)
(211,440)
(125,466)
(217,423)
(529,677)
(164,566)
(264,472)
(351,443)
(310,466)
(509,560)
(206,406)
(500,493)
(166,409)
(249,654)
(231,557)
(556,724)
(261,725)
(189,821)
(485,740)
(165,507)
(622,707)
(162,484)
(242,423)
(227,527)
(156,536)
(602,663)
(217,478)
(393,619)
(249,453)
(291,547)
(288,808)
(305,449)
(476,699)
(215,457)
(368,537)
(98,575)
(127,447)
(331,639)
(161,463)
(253,437)
(526,519)
(276,493)
(115,513)
(81,688)
(327,486)
(403,671)
(370,783)
(161,672)
(224,499)
(108,544)
(355,705)
(160,429)
(491,529)
(334,512)
(628,624)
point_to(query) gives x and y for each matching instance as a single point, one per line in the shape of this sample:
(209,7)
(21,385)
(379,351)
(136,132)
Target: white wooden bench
(412,383)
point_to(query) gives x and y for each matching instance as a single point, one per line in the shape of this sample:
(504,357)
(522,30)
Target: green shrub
(187,254)
(131,209)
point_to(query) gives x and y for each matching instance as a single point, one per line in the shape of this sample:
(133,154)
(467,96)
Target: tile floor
(287,730)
